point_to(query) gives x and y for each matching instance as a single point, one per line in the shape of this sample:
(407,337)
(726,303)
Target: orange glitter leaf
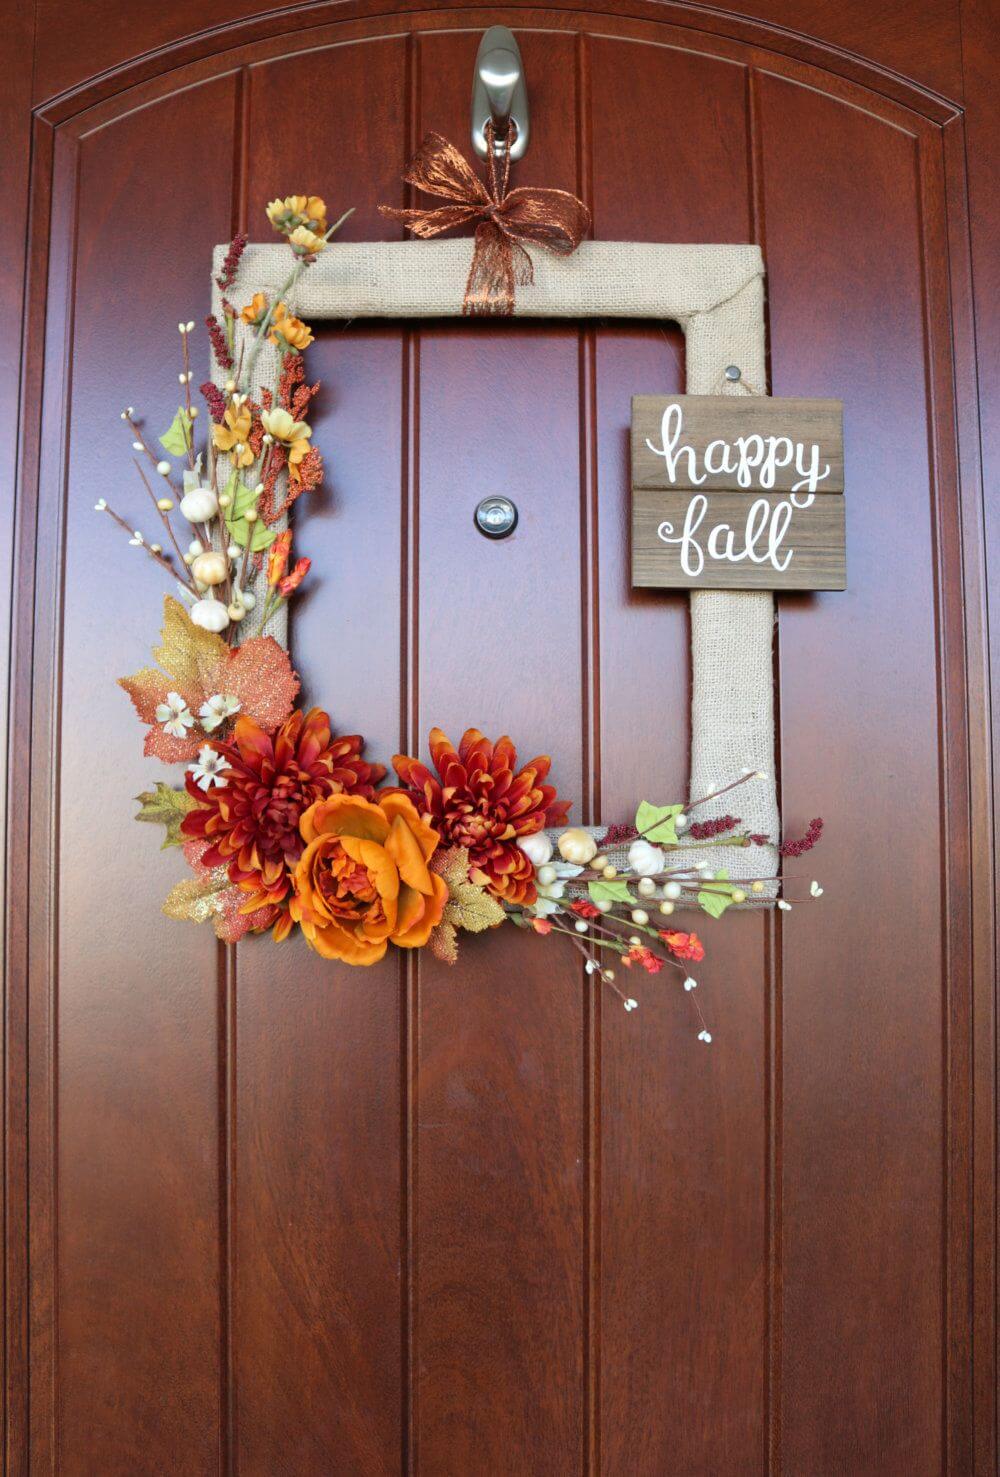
(260,676)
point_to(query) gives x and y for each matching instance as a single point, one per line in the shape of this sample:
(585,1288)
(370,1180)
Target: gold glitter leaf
(469,906)
(196,900)
(166,807)
(189,655)
(473,909)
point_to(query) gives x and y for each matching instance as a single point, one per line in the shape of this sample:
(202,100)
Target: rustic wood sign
(738,493)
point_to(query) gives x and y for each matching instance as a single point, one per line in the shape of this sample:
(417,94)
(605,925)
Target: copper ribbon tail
(553,219)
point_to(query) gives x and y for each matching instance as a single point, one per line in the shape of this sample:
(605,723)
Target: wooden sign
(737,492)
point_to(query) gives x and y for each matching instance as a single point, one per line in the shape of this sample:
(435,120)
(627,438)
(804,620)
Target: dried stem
(157,558)
(165,519)
(154,459)
(187,396)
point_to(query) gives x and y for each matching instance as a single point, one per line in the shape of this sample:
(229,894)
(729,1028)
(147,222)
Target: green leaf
(716,902)
(165,807)
(243,499)
(177,438)
(656,822)
(612,892)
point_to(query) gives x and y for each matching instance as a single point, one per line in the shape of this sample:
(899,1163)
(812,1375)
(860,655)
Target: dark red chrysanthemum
(479,799)
(251,822)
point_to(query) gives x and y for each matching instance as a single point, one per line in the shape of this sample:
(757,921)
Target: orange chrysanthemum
(363,881)
(480,800)
(251,821)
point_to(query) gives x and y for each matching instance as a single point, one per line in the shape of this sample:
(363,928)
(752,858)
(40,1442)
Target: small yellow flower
(235,434)
(305,242)
(255,309)
(298,210)
(315,213)
(292,434)
(287,331)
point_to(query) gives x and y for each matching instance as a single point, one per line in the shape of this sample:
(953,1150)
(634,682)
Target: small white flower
(704,1036)
(207,768)
(631,1004)
(136,539)
(690,984)
(175,715)
(100,505)
(815,890)
(785,907)
(216,710)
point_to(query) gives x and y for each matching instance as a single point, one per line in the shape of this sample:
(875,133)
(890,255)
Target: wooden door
(268,1216)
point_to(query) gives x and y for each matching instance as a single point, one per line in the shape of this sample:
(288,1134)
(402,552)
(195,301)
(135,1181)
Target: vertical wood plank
(499,1126)
(863,1104)
(134,1024)
(317,1109)
(683,1158)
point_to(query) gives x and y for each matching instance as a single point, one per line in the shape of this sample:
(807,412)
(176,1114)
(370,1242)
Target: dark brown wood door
(267,1215)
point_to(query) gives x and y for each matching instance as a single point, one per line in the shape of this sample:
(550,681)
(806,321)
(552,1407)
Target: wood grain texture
(680,1140)
(981,469)
(317,1238)
(922,42)
(864,1122)
(479,1220)
(498,1107)
(710,442)
(23,299)
(727,541)
(132,999)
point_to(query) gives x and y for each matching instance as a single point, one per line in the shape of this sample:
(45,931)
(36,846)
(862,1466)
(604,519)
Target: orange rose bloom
(363,881)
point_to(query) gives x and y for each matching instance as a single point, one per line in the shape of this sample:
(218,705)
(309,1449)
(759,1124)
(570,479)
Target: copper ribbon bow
(553,219)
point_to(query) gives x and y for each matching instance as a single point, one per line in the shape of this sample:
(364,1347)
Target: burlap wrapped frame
(716,294)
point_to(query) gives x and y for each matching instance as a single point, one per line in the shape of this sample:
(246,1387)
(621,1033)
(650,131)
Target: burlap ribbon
(552,219)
